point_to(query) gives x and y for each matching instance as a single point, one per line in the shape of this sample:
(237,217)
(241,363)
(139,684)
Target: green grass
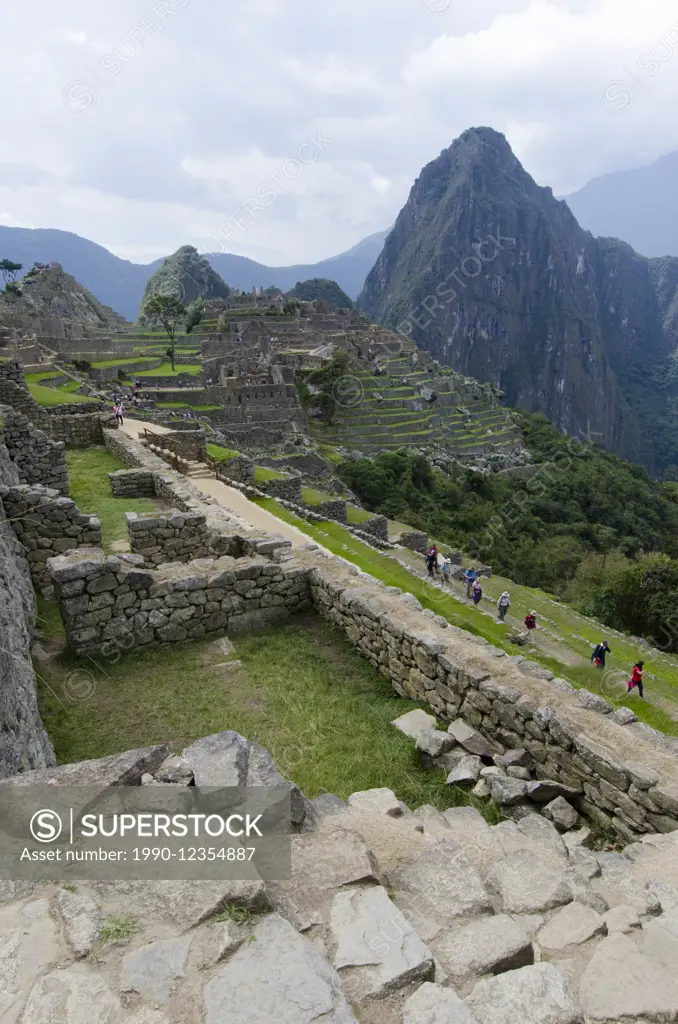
(330,453)
(166,370)
(311,496)
(91,491)
(57,396)
(217,452)
(338,540)
(357,515)
(121,361)
(262,475)
(305,694)
(186,405)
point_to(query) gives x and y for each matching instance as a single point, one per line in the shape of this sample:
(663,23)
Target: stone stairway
(389,916)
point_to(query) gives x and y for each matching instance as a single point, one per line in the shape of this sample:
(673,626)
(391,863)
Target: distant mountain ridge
(494,276)
(120,284)
(640,206)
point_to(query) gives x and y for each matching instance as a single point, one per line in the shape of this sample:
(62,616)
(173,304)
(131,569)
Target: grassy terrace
(166,370)
(218,452)
(341,542)
(305,694)
(91,491)
(63,395)
(122,362)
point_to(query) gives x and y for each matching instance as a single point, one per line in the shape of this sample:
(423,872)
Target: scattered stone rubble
(390,915)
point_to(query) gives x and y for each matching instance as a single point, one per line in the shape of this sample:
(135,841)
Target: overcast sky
(148,124)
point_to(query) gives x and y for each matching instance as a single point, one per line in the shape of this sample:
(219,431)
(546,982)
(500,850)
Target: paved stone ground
(390,917)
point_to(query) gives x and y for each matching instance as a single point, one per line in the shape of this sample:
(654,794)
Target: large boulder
(433,1004)
(621,983)
(527,884)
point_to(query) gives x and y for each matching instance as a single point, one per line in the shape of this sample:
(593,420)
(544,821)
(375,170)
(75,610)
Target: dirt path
(229,497)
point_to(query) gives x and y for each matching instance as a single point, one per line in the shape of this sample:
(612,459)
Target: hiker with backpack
(599,652)
(445,567)
(531,621)
(636,679)
(503,605)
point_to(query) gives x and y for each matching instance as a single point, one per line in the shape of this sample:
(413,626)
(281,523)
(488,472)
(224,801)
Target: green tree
(9,270)
(169,313)
(194,314)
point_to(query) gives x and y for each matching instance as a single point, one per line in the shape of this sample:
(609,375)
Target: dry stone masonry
(38,459)
(47,524)
(109,601)
(390,916)
(176,537)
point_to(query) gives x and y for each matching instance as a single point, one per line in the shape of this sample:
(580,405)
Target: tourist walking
(503,605)
(470,577)
(531,620)
(599,652)
(477,593)
(119,411)
(445,566)
(636,679)
(431,559)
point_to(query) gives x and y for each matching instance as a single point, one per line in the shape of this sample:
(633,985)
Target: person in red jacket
(636,679)
(531,620)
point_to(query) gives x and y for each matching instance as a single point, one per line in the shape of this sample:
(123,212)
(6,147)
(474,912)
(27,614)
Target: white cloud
(146,153)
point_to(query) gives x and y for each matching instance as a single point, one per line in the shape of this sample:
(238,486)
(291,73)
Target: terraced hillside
(410,401)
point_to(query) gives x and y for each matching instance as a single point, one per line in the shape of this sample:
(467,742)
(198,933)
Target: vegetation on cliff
(321,289)
(495,277)
(186,276)
(583,524)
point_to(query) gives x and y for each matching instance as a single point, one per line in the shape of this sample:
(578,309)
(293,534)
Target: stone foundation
(116,602)
(335,509)
(377,526)
(177,537)
(46,524)
(288,489)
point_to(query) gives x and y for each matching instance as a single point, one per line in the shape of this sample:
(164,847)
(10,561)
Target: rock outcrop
(495,277)
(188,276)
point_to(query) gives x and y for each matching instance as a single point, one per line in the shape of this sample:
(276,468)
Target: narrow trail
(229,497)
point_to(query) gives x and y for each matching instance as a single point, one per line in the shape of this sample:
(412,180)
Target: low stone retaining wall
(240,468)
(177,537)
(626,797)
(47,524)
(82,430)
(117,602)
(288,489)
(38,459)
(188,380)
(132,483)
(415,541)
(378,526)
(335,509)
(132,369)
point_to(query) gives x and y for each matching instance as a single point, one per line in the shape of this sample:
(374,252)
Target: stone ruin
(390,913)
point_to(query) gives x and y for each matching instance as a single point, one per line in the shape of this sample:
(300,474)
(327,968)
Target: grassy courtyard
(91,490)
(304,693)
(62,395)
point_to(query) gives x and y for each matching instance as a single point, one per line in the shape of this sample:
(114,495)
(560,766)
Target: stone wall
(24,744)
(132,369)
(333,509)
(82,430)
(38,459)
(574,745)
(108,601)
(132,483)
(288,489)
(240,468)
(12,370)
(46,524)
(415,541)
(177,537)
(377,526)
